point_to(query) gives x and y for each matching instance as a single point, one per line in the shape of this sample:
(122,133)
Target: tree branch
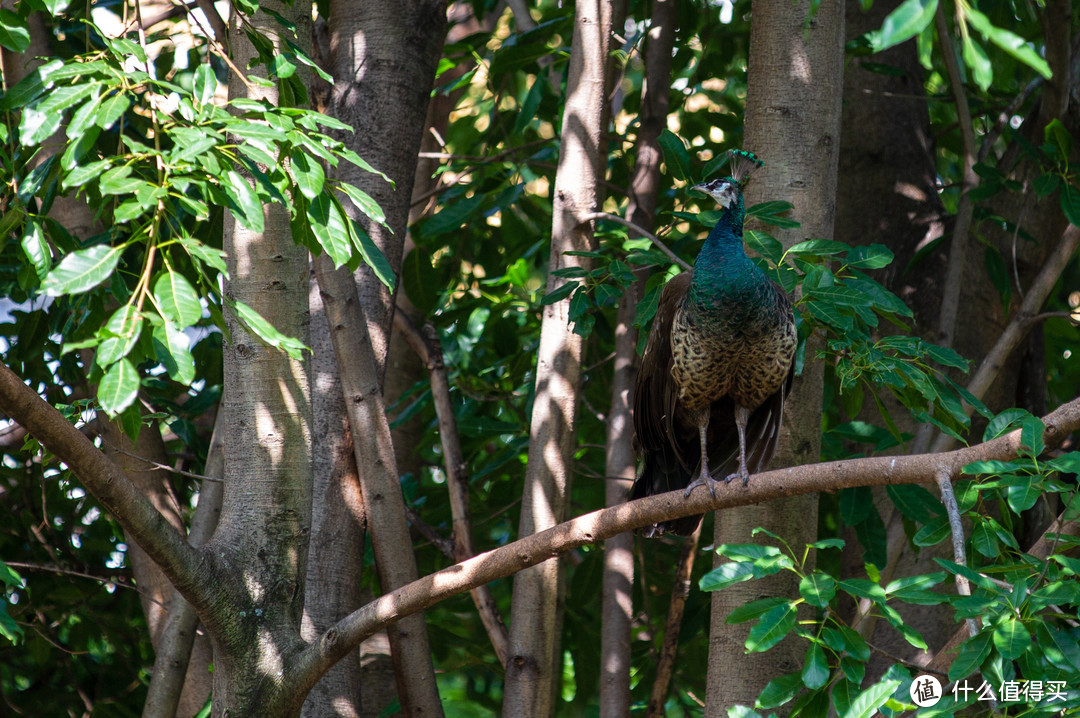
(181,562)
(640,230)
(1021,322)
(427,347)
(599,525)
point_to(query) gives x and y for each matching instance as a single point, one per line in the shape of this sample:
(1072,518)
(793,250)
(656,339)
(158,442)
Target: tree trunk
(793,123)
(617,608)
(262,540)
(530,671)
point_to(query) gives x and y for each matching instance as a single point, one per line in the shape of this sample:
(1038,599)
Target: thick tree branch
(1021,323)
(599,525)
(181,562)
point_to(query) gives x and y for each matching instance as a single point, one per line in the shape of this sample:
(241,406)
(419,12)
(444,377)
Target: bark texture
(379,485)
(793,124)
(383,58)
(262,540)
(530,671)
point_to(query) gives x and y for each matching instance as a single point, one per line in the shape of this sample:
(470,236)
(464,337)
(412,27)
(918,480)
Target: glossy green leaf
(328,224)
(818,589)
(205,85)
(364,202)
(82,174)
(248,209)
(815,672)
(264,330)
(111,110)
(171,348)
(36,126)
(1011,638)
(676,156)
(308,173)
(978,62)
(870,700)
(120,334)
(82,270)
(903,23)
(14,34)
(36,248)
(780,690)
(725,575)
(771,628)
(752,610)
(119,387)
(1057,135)
(176,299)
(1008,41)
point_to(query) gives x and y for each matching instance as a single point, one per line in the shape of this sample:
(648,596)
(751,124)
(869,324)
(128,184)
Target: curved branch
(640,230)
(605,523)
(109,485)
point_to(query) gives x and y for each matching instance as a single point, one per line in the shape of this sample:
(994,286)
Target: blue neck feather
(722,270)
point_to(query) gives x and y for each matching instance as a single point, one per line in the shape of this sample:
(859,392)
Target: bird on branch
(717,365)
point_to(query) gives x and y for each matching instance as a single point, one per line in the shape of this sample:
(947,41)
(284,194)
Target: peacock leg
(742,415)
(704,478)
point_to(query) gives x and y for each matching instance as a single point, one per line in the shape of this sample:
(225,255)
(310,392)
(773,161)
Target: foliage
(145,140)
(1020,603)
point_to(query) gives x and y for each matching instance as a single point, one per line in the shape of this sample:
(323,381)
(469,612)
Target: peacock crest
(742,165)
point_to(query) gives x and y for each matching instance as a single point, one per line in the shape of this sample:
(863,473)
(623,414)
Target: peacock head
(727,191)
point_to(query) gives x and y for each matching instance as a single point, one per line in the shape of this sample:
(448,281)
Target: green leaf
(1055,134)
(28,88)
(975,57)
(37,126)
(176,299)
(559,293)
(263,330)
(815,672)
(1023,495)
(749,611)
(172,349)
(84,173)
(371,254)
(121,332)
(779,690)
(971,655)
(1011,639)
(727,574)
(247,208)
(205,85)
(308,174)
(328,226)
(82,270)
(873,256)
(36,248)
(903,23)
(764,244)
(871,699)
(112,109)
(119,387)
(863,588)
(1070,203)
(932,533)
(14,34)
(1008,41)
(818,589)
(676,156)
(771,628)
(818,247)
(1031,435)
(419,280)
(914,502)
(364,203)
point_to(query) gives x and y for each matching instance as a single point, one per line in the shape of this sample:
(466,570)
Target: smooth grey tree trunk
(530,670)
(795,83)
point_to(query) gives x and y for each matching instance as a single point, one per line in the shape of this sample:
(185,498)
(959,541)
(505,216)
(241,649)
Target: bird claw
(741,474)
(704,480)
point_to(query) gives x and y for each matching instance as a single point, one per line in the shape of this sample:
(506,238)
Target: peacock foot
(703,480)
(742,473)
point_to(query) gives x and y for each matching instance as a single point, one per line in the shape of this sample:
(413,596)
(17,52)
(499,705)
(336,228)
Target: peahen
(717,365)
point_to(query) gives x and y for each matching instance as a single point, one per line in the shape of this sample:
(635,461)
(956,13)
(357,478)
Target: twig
(680,590)
(956,528)
(590,216)
(156,465)
(426,345)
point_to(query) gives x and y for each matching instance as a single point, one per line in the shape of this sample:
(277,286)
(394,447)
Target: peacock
(717,365)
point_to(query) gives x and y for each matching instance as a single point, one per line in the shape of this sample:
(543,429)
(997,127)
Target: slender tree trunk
(385,505)
(530,674)
(262,540)
(337,528)
(383,57)
(620,466)
(793,123)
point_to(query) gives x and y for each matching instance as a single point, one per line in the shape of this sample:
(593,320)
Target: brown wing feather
(656,392)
